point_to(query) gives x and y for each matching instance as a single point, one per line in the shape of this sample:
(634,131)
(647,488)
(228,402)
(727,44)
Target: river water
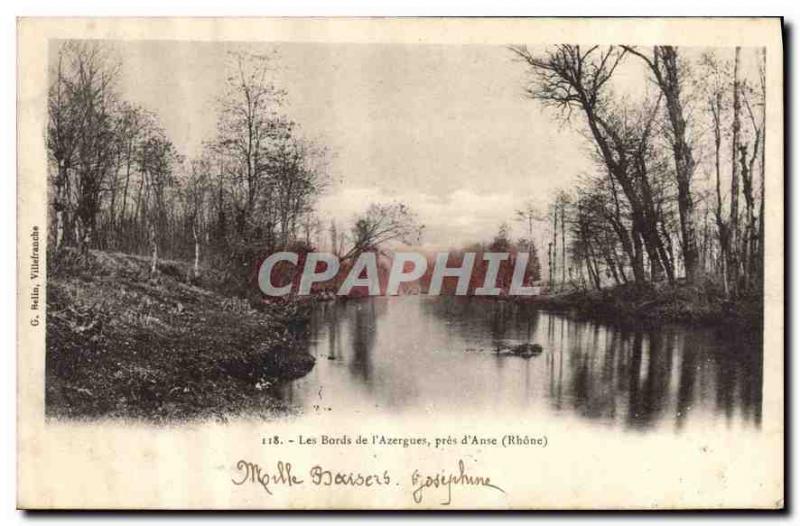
(412,354)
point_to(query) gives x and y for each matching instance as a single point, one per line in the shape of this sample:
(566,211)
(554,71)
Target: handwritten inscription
(422,482)
(284,474)
(255,474)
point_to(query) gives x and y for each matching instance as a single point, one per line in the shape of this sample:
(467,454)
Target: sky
(445,129)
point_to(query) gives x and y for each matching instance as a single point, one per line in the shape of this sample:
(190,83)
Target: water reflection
(441,354)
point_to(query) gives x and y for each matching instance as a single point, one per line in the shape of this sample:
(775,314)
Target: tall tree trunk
(611,266)
(127,182)
(749,240)
(638,256)
(563,249)
(616,223)
(153,248)
(555,244)
(666,70)
(733,222)
(722,226)
(666,253)
(60,204)
(196,250)
(761,238)
(684,161)
(649,219)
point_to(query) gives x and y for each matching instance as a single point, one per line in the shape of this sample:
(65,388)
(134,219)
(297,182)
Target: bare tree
(528,215)
(382,223)
(249,119)
(570,77)
(664,63)
(733,221)
(80,136)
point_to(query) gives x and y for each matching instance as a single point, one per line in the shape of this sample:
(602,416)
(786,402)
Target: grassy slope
(123,344)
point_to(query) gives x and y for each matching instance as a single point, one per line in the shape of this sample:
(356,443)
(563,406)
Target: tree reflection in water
(409,352)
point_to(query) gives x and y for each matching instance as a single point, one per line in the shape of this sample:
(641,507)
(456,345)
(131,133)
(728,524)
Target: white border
(303,8)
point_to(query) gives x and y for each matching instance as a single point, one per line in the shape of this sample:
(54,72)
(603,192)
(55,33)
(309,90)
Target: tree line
(117,182)
(678,187)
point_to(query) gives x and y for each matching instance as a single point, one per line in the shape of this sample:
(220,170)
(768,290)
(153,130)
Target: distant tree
(382,223)
(529,214)
(534,269)
(502,240)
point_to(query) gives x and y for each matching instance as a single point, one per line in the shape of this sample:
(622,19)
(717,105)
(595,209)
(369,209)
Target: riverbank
(123,343)
(662,303)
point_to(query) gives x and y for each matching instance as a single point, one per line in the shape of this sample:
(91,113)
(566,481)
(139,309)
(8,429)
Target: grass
(122,343)
(702,304)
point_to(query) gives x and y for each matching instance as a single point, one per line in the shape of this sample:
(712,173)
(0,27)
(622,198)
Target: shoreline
(647,306)
(122,343)
(651,306)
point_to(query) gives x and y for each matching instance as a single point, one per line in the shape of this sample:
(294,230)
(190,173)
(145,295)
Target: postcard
(400,264)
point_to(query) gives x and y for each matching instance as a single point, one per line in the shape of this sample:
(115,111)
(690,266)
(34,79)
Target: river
(412,354)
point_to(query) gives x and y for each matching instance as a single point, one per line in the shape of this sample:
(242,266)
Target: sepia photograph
(257,236)
(633,178)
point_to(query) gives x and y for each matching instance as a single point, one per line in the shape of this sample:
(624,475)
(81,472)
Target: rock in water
(526,350)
